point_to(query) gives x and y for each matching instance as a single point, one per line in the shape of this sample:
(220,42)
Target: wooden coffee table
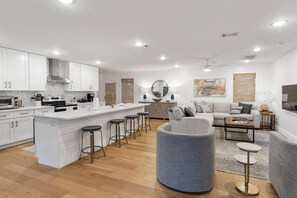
(231,123)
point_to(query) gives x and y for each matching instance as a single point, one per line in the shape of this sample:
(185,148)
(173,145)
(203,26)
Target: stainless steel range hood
(56,71)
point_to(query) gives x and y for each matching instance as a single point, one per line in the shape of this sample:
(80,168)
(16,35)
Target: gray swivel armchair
(185,155)
(283,165)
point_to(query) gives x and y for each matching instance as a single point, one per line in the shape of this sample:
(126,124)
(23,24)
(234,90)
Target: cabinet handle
(24,113)
(12,124)
(9,84)
(3,116)
(16,123)
(44,111)
(5,84)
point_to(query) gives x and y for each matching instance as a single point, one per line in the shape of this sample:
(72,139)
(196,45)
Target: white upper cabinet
(37,72)
(16,70)
(89,78)
(74,76)
(2,60)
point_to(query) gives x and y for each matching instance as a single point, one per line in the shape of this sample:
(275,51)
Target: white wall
(284,73)
(183,80)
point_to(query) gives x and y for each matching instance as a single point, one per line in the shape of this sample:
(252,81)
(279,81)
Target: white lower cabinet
(23,128)
(6,132)
(15,130)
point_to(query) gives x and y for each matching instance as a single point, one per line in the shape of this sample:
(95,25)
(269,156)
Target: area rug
(226,149)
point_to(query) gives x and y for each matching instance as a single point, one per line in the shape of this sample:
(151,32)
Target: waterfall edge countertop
(76,114)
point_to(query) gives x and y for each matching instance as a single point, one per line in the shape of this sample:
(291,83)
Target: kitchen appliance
(59,103)
(90,97)
(6,102)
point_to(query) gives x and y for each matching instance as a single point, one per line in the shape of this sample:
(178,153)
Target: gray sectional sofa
(218,111)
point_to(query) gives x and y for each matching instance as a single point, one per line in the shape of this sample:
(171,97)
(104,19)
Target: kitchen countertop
(76,114)
(26,108)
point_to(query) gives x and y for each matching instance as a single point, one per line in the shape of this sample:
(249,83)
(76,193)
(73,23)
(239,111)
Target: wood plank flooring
(129,171)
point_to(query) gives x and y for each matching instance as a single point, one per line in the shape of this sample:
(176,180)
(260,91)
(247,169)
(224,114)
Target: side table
(267,120)
(245,187)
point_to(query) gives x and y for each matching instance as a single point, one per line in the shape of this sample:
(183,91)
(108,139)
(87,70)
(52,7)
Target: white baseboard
(285,133)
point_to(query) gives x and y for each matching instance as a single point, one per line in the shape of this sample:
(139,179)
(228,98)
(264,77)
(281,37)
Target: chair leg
(145,124)
(109,134)
(125,134)
(82,145)
(118,136)
(149,121)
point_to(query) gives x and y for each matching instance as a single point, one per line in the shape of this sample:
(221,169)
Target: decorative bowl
(157,99)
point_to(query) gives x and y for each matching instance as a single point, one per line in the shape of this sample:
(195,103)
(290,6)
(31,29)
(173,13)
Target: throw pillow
(177,113)
(188,112)
(191,109)
(246,108)
(236,110)
(210,104)
(198,109)
(205,108)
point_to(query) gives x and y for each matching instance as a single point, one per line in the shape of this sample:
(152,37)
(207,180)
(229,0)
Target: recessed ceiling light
(67,1)
(280,43)
(162,58)
(247,60)
(98,62)
(257,49)
(279,23)
(138,44)
(207,69)
(176,66)
(56,52)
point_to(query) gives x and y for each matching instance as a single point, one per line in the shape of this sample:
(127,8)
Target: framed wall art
(210,87)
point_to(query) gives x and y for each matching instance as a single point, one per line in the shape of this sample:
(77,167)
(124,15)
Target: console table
(159,109)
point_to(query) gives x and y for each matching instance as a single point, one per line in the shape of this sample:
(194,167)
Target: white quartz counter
(76,114)
(27,108)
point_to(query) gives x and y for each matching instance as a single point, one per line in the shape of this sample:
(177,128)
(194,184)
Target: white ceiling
(185,31)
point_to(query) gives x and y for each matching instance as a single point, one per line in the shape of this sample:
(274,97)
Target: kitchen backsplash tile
(52,90)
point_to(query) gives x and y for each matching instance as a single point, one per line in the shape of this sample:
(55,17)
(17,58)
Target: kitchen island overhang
(58,136)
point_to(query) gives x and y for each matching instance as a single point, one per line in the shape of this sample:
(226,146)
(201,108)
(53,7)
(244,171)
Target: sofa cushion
(188,112)
(220,116)
(207,116)
(205,108)
(210,104)
(246,108)
(222,107)
(236,110)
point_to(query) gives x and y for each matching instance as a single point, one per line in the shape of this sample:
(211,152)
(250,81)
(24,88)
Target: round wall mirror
(160,88)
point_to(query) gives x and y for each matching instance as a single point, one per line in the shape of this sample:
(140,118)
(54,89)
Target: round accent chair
(185,155)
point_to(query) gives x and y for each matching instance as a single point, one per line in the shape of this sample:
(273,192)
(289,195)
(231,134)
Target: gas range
(59,103)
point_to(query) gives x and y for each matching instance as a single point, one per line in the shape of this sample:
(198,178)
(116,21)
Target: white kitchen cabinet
(23,128)
(89,78)
(6,132)
(74,72)
(37,72)
(17,70)
(2,62)
(14,70)
(15,127)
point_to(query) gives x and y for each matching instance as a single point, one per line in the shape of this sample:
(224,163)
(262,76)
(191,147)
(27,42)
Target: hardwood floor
(128,171)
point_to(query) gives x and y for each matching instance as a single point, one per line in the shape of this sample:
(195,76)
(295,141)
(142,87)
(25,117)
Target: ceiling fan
(208,66)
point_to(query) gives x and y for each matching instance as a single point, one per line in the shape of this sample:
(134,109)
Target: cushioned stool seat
(117,121)
(92,128)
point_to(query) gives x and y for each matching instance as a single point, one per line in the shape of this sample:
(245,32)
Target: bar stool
(144,117)
(91,130)
(132,129)
(246,187)
(117,137)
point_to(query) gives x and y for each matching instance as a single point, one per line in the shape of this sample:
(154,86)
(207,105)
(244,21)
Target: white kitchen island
(58,135)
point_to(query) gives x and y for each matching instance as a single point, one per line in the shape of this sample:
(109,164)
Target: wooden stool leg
(92,146)
(102,143)
(118,137)
(145,124)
